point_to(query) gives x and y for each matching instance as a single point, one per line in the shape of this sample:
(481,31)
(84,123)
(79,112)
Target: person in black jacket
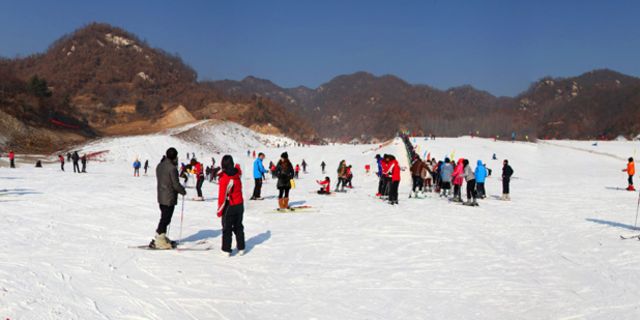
(76,157)
(284,172)
(168,188)
(507,172)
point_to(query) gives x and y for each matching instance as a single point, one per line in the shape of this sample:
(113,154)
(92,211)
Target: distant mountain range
(101,80)
(600,103)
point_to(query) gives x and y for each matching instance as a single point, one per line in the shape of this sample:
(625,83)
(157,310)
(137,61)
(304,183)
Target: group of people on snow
(389,177)
(77,159)
(345,176)
(441,177)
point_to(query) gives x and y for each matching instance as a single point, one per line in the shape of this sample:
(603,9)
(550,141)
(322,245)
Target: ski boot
(631,188)
(162,242)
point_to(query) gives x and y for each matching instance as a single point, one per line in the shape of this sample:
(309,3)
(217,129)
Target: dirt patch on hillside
(171,119)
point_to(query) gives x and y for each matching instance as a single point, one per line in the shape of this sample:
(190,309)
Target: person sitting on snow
(326,186)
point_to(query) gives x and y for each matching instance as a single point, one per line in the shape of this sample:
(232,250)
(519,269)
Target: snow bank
(202,138)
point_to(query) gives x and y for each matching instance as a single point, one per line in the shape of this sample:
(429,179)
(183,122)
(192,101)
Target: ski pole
(637,210)
(181,218)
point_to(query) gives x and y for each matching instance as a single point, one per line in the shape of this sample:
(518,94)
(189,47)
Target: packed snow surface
(553,252)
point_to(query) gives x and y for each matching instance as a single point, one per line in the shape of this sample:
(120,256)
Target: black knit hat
(172,153)
(284,155)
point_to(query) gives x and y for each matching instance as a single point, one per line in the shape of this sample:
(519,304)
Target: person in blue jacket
(258,174)
(481,176)
(136,168)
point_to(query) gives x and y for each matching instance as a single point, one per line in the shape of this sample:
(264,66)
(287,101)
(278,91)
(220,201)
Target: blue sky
(498,46)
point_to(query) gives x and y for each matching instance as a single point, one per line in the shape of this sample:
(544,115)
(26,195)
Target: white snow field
(553,252)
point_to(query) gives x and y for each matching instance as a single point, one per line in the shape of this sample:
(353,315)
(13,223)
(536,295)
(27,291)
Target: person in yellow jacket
(630,170)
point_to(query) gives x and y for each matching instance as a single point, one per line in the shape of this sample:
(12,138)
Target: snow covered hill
(209,137)
(553,252)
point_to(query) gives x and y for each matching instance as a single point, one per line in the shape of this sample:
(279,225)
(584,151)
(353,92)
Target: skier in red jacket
(196,168)
(394,172)
(61,159)
(12,157)
(231,205)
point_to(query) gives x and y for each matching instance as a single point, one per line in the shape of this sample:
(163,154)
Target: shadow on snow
(257,240)
(612,224)
(202,235)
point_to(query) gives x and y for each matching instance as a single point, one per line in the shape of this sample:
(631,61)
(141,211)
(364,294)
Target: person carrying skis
(258,173)
(323,165)
(136,167)
(297,171)
(630,170)
(304,166)
(446,173)
(83,160)
(481,176)
(457,181)
(470,178)
(168,189)
(507,172)
(196,167)
(231,205)
(325,186)
(394,173)
(146,166)
(61,159)
(284,172)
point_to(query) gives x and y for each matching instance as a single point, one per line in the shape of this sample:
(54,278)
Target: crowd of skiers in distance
(430,175)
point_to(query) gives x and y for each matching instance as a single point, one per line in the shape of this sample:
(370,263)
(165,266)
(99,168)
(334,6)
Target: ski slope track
(553,252)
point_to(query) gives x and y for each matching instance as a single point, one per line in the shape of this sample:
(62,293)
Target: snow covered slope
(552,253)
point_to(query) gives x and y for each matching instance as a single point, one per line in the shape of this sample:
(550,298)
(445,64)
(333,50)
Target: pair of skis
(202,245)
(294,209)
